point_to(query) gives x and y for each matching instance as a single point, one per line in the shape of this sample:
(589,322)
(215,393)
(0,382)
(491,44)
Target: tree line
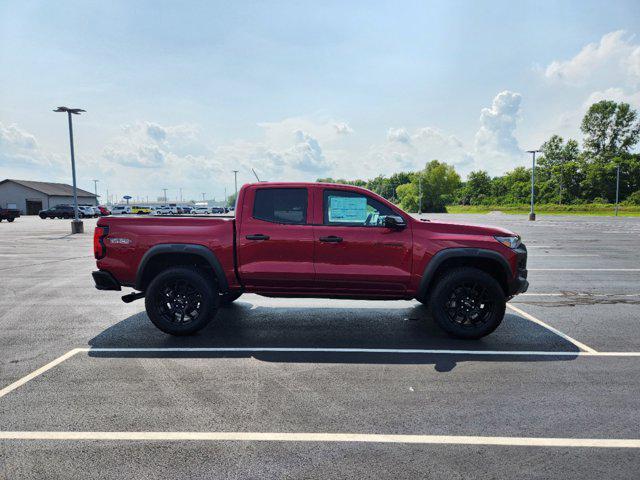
(565,173)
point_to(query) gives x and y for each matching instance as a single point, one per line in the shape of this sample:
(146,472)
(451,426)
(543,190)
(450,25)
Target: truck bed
(130,237)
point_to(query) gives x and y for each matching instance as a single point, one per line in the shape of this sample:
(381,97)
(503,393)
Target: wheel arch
(486,260)
(160,257)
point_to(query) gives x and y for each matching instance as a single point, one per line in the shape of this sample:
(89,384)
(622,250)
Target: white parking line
(530,317)
(584,269)
(545,255)
(40,371)
(327,437)
(586,352)
(578,294)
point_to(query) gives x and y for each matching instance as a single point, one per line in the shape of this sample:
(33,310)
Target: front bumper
(519,283)
(105,281)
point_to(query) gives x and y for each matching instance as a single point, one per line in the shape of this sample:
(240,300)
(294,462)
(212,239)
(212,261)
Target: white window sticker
(347,209)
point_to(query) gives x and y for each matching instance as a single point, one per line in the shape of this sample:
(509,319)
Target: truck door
(275,239)
(354,251)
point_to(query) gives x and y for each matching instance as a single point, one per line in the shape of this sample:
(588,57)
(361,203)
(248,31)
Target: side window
(353,209)
(281,205)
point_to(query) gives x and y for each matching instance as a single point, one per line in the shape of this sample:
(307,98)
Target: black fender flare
(472,253)
(190,248)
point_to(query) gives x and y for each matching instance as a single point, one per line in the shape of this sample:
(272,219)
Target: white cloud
(19,149)
(342,128)
(398,135)
(615,56)
(615,94)
(495,141)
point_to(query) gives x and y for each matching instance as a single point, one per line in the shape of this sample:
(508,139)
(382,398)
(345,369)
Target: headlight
(510,242)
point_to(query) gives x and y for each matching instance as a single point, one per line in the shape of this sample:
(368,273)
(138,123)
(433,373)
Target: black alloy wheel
(181,300)
(467,303)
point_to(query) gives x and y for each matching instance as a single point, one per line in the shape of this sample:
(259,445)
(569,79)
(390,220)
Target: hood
(465,229)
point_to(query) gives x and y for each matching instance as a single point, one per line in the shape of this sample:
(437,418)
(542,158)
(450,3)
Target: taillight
(99,249)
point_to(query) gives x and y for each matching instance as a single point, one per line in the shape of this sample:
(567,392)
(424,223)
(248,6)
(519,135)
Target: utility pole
(532,215)
(95,188)
(76,225)
(203,196)
(180,194)
(107,197)
(617,187)
(235,177)
(165,194)
(226,201)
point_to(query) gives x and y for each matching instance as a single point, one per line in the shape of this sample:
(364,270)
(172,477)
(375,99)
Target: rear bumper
(519,283)
(105,281)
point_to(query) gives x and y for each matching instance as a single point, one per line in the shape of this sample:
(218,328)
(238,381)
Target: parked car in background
(163,210)
(9,214)
(140,210)
(89,211)
(104,211)
(59,211)
(186,209)
(217,210)
(200,210)
(121,210)
(85,211)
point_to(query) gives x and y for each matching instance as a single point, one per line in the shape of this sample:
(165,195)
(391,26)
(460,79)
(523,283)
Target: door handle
(331,239)
(257,236)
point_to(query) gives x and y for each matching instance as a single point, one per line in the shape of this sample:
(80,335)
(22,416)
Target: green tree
(438,183)
(476,190)
(560,171)
(610,129)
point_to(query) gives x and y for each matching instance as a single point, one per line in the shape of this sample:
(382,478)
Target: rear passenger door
(275,239)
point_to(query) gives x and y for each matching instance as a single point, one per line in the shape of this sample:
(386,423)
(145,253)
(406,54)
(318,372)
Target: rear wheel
(467,303)
(181,301)
(10,219)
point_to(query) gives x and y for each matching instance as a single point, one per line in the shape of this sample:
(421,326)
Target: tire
(43,217)
(192,288)
(10,219)
(467,303)
(229,298)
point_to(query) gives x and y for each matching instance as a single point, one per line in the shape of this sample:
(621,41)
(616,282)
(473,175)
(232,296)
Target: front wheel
(181,301)
(467,303)
(10,219)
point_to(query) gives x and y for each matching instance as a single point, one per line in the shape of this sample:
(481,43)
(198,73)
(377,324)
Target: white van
(120,210)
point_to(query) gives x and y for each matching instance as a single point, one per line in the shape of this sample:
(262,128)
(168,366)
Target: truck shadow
(245,325)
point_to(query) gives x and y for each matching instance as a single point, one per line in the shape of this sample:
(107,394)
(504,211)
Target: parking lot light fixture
(76,225)
(532,215)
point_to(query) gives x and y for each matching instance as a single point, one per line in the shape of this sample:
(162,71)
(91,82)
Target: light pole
(235,177)
(203,196)
(419,194)
(95,188)
(76,225)
(617,187)
(165,194)
(532,215)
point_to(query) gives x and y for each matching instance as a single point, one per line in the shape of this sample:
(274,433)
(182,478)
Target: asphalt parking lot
(304,388)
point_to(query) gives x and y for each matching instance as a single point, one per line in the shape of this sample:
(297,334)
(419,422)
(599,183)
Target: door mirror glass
(394,221)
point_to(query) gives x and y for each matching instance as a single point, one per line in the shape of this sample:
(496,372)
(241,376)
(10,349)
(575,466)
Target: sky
(179,94)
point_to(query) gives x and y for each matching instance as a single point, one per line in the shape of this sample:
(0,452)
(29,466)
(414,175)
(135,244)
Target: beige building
(30,197)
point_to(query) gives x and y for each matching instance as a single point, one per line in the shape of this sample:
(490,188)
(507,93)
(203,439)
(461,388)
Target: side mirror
(396,222)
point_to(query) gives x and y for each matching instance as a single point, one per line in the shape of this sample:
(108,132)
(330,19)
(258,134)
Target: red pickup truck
(310,240)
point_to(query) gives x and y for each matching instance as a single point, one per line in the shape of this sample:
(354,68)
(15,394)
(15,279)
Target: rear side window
(281,205)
